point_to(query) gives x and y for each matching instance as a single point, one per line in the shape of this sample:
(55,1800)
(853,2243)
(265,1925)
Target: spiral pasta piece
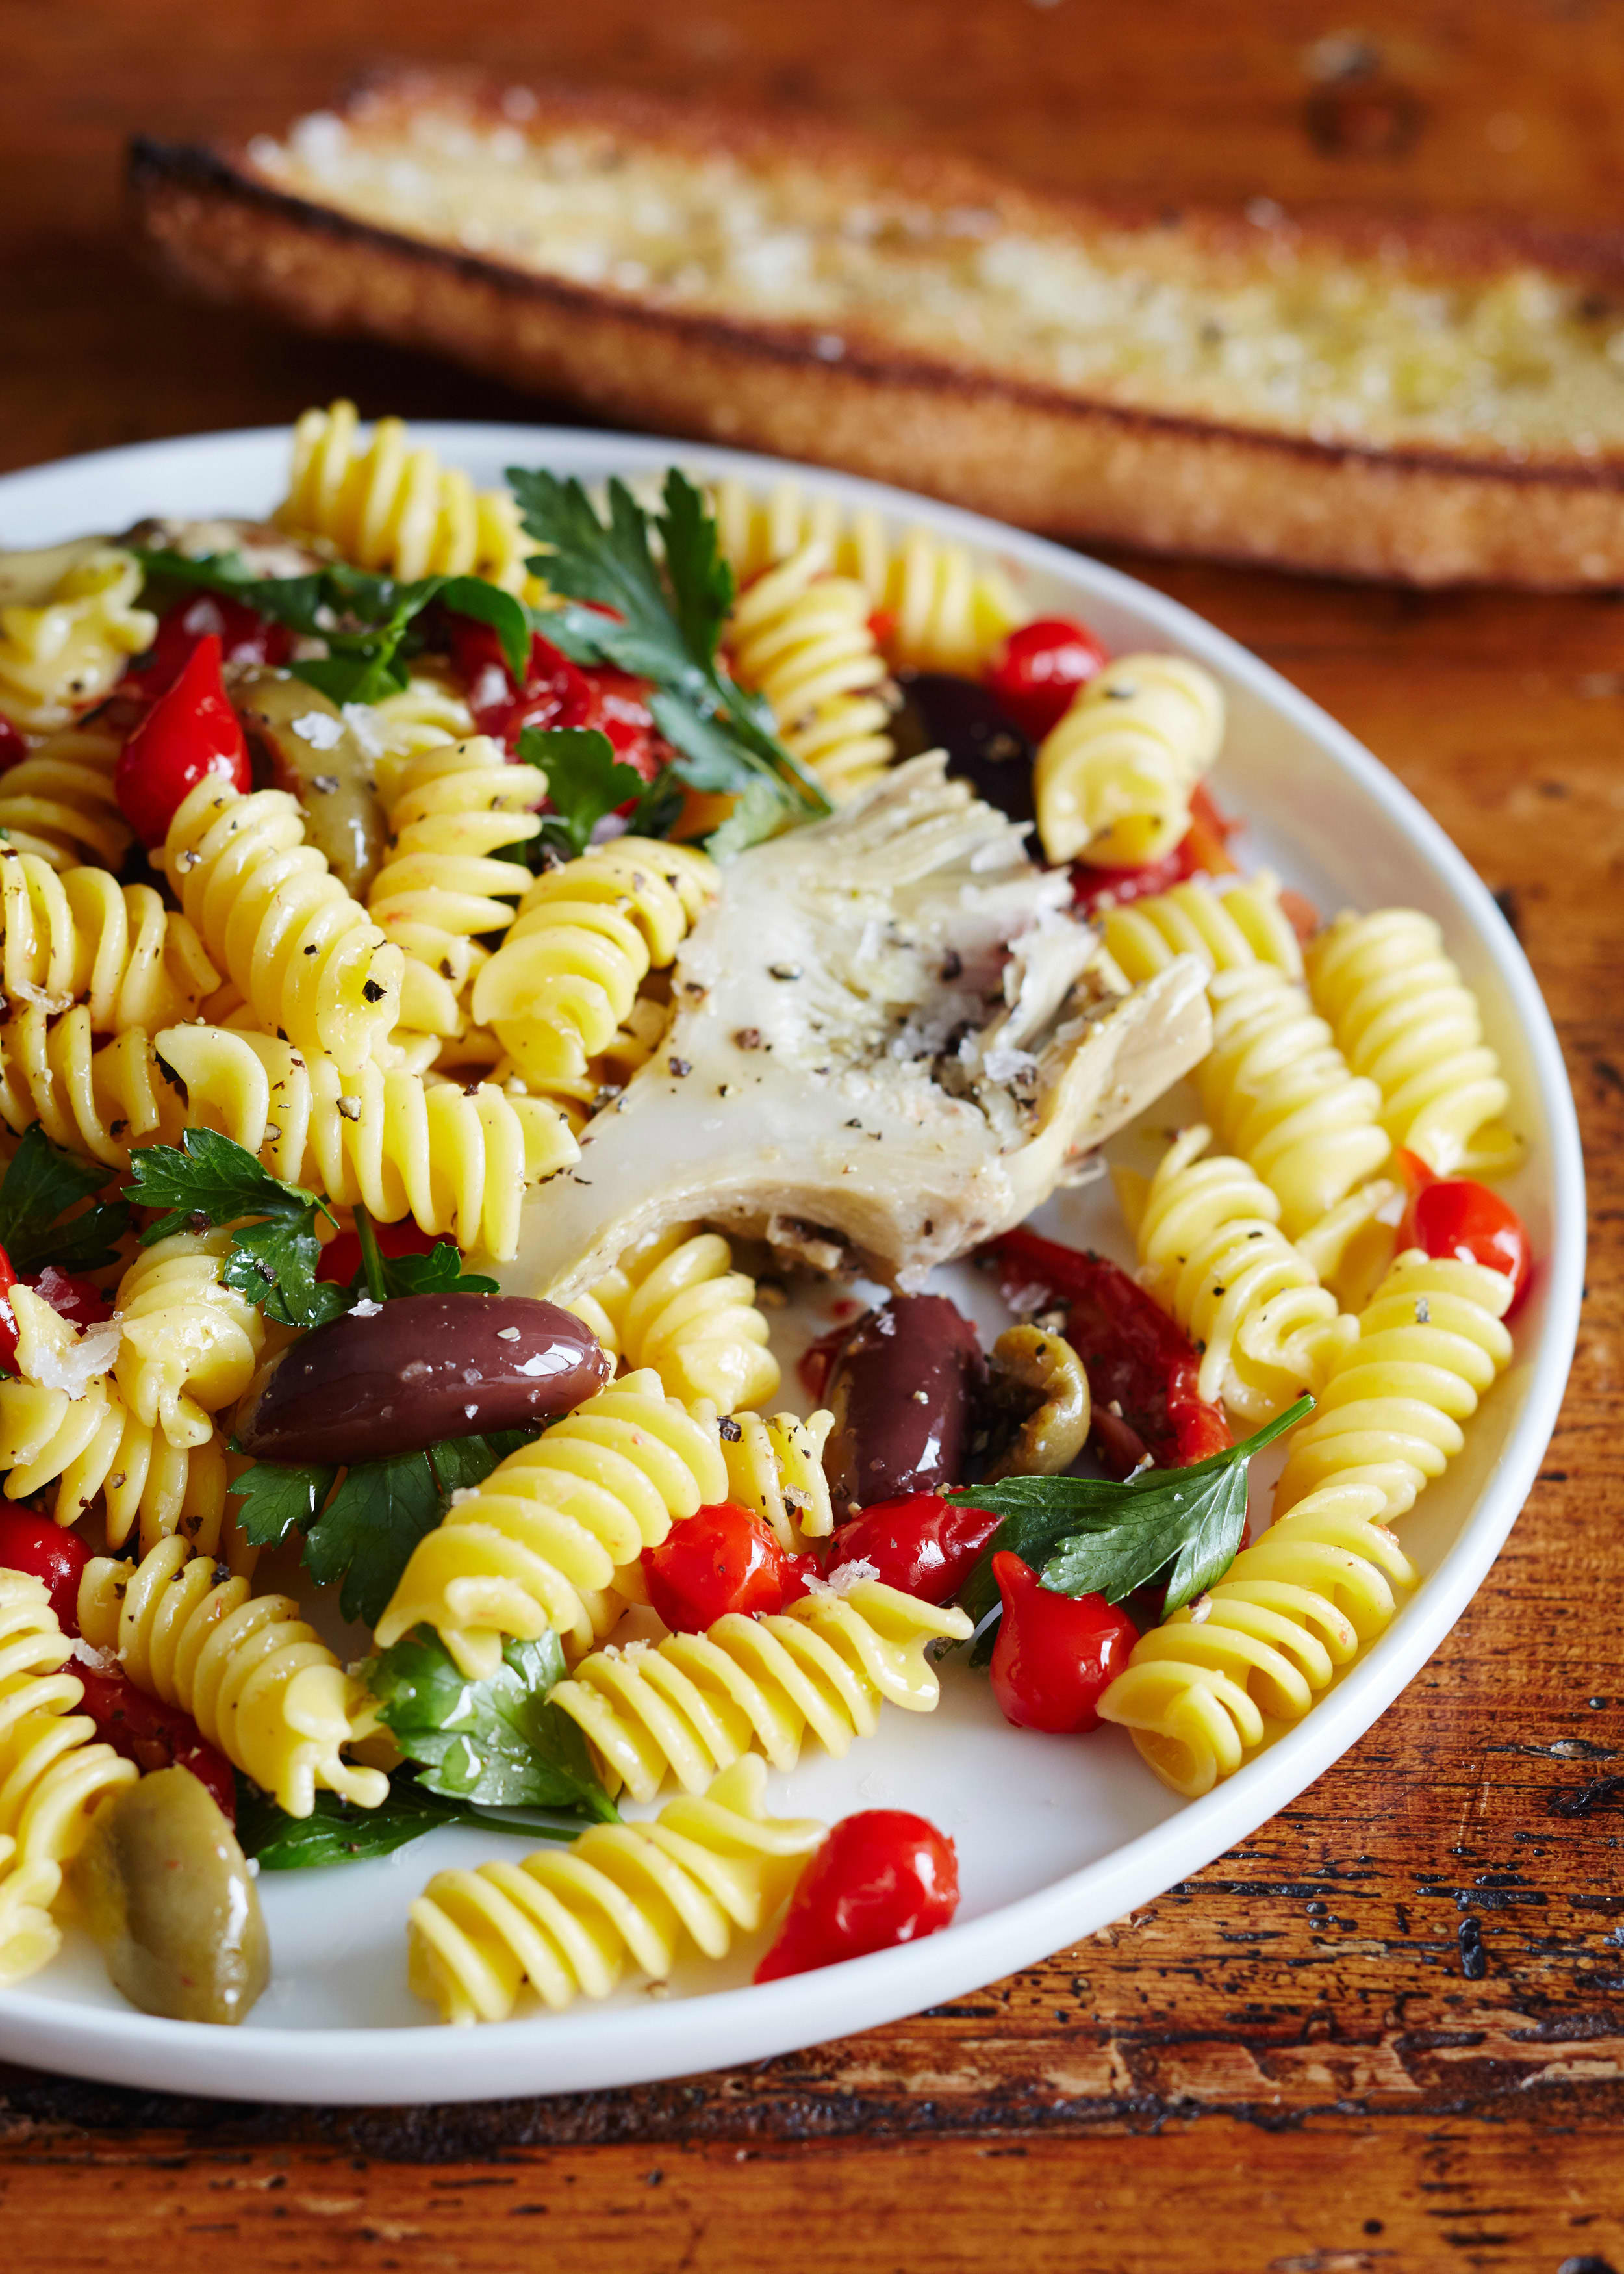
(586,936)
(52,1776)
(89,1100)
(259,1683)
(674,1302)
(456,1160)
(80,936)
(568,1924)
(62,656)
(1208,1236)
(801,637)
(579,1096)
(1402,1015)
(1199,1692)
(1113,781)
(947,612)
(555,1519)
(441,889)
(774,1465)
(188,1344)
(302,949)
(692,1704)
(58,802)
(1280,1093)
(1223,924)
(387,506)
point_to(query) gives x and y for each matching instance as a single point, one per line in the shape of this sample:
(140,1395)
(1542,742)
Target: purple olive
(903,1391)
(984,746)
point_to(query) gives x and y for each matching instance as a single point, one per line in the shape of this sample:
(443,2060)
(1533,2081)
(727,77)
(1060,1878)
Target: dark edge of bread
(1020,452)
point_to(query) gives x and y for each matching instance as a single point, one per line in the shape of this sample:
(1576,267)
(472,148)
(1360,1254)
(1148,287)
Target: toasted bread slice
(1437,404)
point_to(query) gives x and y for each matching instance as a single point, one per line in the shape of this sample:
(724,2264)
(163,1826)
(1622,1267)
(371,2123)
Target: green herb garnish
(274,1249)
(40,1184)
(366,1533)
(337,1832)
(1089,1536)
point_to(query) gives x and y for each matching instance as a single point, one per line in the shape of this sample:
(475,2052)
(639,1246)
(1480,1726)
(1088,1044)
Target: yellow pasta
(556,1518)
(402,1144)
(58,802)
(566,1923)
(62,656)
(1208,1232)
(90,1100)
(81,936)
(52,1776)
(427,714)
(692,1704)
(774,1466)
(188,1344)
(586,936)
(801,637)
(1223,923)
(1402,1013)
(674,1302)
(387,506)
(1113,781)
(259,1684)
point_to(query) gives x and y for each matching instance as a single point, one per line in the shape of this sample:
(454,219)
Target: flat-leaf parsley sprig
(211,1180)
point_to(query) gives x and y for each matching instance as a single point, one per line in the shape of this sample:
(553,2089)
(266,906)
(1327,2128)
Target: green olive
(306,747)
(1038,1376)
(162,1886)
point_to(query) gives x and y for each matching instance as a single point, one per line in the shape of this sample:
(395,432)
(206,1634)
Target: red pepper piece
(8,1317)
(14,746)
(922,1544)
(1456,1216)
(555,693)
(189,733)
(340,1258)
(154,1736)
(31,1542)
(245,638)
(720,1559)
(882,1878)
(1202,851)
(1039,669)
(1141,1369)
(1055,1654)
(74,1298)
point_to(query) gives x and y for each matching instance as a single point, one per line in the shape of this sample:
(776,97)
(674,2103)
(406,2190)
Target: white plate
(1055,1837)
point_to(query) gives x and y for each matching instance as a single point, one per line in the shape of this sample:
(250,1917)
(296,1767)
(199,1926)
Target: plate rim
(590,2048)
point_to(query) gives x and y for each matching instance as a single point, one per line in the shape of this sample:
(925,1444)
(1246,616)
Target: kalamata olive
(901,1392)
(163,1886)
(301,743)
(390,1378)
(984,746)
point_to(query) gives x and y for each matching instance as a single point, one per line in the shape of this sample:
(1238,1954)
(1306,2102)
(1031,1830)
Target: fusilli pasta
(188,1344)
(1401,1015)
(774,1465)
(259,1683)
(690,1704)
(568,1924)
(80,936)
(1223,924)
(674,1302)
(58,801)
(800,638)
(59,658)
(1113,780)
(91,1101)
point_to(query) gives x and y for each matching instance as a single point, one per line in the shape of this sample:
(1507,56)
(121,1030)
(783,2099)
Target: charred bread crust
(1022,452)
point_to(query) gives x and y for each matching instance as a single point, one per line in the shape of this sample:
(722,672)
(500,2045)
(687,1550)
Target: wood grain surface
(1388,2034)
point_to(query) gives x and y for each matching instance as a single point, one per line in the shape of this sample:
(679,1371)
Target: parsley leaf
(366,1533)
(440,1272)
(274,1249)
(498,1742)
(274,1498)
(1088,1535)
(336,1832)
(41,1184)
(585,781)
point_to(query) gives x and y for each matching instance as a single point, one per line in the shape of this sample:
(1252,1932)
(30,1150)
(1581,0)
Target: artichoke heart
(888,1039)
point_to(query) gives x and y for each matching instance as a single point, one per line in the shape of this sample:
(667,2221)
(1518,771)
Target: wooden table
(1294,2062)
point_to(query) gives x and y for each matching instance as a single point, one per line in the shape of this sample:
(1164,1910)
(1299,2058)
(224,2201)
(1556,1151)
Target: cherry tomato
(881,1878)
(340,1258)
(14,746)
(152,1735)
(1141,1369)
(1202,851)
(1457,1216)
(244,637)
(720,1559)
(31,1542)
(922,1544)
(189,733)
(1056,1655)
(1039,669)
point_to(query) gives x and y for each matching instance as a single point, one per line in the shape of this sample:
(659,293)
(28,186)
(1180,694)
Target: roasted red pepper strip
(1141,1370)
(1202,851)
(154,1736)
(555,693)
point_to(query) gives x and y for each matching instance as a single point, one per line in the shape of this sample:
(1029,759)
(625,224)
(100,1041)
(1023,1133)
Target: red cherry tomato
(721,1559)
(1456,1216)
(340,1258)
(189,733)
(245,638)
(31,1542)
(1039,669)
(881,1878)
(14,746)
(1055,1654)
(154,1736)
(922,1544)
(1141,1369)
